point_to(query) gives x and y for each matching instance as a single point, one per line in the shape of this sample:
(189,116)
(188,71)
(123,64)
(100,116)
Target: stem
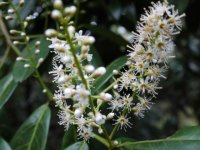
(48,92)
(114,131)
(73,51)
(101,139)
(4,57)
(110,86)
(7,37)
(106,134)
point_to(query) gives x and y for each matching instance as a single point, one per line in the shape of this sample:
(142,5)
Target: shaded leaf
(96,61)
(124,139)
(69,137)
(4,145)
(19,72)
(78,146)
(7,87)
(115,65)
(184,139)
(32,135)
(116,38)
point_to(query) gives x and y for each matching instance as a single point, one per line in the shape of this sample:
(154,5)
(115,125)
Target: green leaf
(184,139)
(32,135)
(78,146)
(4,145)
(124,139)
(103,32)
(69,137)
(19,72)
(115,65)
(96,61)
(7,87)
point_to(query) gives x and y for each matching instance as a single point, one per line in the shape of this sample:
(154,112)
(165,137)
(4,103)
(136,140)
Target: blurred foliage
(111,22)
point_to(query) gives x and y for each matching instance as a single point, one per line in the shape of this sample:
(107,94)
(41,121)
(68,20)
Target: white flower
(65,117)
(84,39)
(86,133)
(99,118)
(123,121)
(81,95)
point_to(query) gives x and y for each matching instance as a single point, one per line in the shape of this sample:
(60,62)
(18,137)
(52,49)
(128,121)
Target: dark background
(178,103)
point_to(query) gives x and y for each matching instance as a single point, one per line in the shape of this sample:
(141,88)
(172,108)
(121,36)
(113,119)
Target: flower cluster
(132,89)
(148,57)
(74,73)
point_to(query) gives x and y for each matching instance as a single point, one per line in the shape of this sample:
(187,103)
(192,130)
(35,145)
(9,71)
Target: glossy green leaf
(19,72)
(184,139)
(116,38)
(32,135)
(78,146)
(115,65)
(4,145)
(7,87)
(69,137)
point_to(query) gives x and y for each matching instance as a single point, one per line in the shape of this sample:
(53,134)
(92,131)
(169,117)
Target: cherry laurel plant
(133,89)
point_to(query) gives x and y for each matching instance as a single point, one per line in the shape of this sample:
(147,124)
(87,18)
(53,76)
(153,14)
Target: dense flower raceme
(74,74)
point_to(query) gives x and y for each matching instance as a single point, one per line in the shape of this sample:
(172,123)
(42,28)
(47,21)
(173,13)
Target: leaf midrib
(34,131)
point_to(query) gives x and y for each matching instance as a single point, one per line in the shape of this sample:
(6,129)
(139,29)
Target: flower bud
(10,11)
(58,4)
(56,14)
(99,71)
(115,72)
(70,11)
(78,112)
(26,65)
(8,17)
(88,40)
(115,86)
(37,43)
(19,58)
(25,24)
(106,96)
(21,2)
(110,115)
(99,118)
(89,68)
(100,130)
(40,60)
(50,32)
(116,142)
(37,51)
(14,32)
(15,42)
(71,31)
(3,3)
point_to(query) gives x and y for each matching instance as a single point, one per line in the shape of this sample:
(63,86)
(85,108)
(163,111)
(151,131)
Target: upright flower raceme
(148,56)
(74,74)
